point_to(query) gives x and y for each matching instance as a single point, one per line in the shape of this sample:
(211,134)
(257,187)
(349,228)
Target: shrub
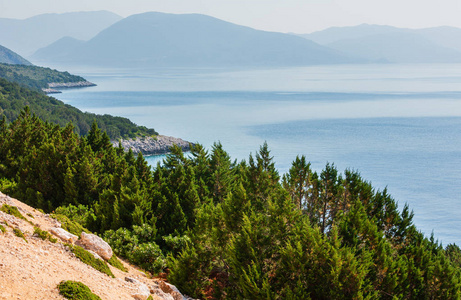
(2,229)
(75,290)
(44,235)
(7,186)
(19,233)
(137,246)
(12,210)
(69,225)
(90,260)
(149,257)
(80,214)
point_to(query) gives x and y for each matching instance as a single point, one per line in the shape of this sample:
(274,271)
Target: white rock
(95,243)
(64,235)
(142,292)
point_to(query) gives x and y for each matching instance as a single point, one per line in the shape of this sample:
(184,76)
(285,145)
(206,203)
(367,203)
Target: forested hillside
(13,98)
(36,78)
(225,229)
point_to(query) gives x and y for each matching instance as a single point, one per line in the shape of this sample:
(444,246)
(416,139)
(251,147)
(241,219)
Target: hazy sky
(299,16)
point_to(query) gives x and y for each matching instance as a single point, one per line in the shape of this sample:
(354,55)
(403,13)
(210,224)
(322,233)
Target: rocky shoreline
(54,86)
(160,144)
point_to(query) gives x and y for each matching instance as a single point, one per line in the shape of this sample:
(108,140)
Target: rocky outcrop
(141,292)
(64,85)
(153,145)
(96,244)
(172,290)
(54,86)
(64,235)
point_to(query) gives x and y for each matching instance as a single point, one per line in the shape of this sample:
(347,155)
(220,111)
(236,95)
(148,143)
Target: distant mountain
(9,57)
(27,36)
(397,48)
(57,50)
(159,39)
(334,34)
(378,43)
(446,36)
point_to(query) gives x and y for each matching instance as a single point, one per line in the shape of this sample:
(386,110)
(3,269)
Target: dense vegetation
(226,229)
(75,290)
(33,77)
(13,98)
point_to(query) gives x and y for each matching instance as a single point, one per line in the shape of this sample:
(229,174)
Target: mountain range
(27,36)
(379,43)
(160,39)
(155,39)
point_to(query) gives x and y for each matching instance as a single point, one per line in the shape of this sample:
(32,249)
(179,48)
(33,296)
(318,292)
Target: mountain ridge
(160,39)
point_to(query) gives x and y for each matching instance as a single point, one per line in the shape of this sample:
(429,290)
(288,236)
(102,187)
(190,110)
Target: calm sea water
(398,125)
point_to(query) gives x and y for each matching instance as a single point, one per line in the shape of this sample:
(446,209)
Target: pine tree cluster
(227,229)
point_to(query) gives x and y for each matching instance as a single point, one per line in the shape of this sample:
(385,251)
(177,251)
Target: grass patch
(44,235)
(19,233)
(2,229)
(75,290)
(30,215)
(115,262)
(12,210)
(90,260)
(150,298)
(69,225)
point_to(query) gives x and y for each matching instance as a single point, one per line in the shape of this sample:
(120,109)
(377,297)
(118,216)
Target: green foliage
(77,216)
(19,233)
(138,247)
(13,99)
(90,260)
(69,225)
(75,290)
(230,230)
(12,210)
(115,262)
(7,186)
(34,77)
(44,235)
(2,228)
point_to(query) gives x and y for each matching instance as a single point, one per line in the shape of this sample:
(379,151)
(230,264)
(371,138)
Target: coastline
(54,86)
(160,144)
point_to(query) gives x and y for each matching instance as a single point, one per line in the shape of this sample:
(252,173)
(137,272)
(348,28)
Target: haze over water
(398,125)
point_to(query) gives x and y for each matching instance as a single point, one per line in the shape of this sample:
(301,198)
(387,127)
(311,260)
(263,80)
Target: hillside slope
(379,43)
(13,98)
(9,57)
(159,39)
(38,266)
(41,30)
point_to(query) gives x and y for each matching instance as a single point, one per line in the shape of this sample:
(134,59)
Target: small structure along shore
(54,86)
(160,144)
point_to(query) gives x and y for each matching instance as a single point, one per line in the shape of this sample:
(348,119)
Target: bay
(398,125)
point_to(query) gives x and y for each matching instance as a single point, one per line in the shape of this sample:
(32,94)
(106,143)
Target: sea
(398,125)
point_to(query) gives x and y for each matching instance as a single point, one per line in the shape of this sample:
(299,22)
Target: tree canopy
(13,98)
(226,229)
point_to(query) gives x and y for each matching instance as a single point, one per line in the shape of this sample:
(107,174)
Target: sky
(298,16)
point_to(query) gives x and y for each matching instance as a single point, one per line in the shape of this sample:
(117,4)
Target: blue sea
(398,125)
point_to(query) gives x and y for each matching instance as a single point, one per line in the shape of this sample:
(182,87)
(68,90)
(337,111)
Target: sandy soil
(33,269)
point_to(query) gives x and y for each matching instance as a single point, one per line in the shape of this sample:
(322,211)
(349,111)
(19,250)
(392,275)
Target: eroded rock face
(149,145)
(95,243)
(64,235)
